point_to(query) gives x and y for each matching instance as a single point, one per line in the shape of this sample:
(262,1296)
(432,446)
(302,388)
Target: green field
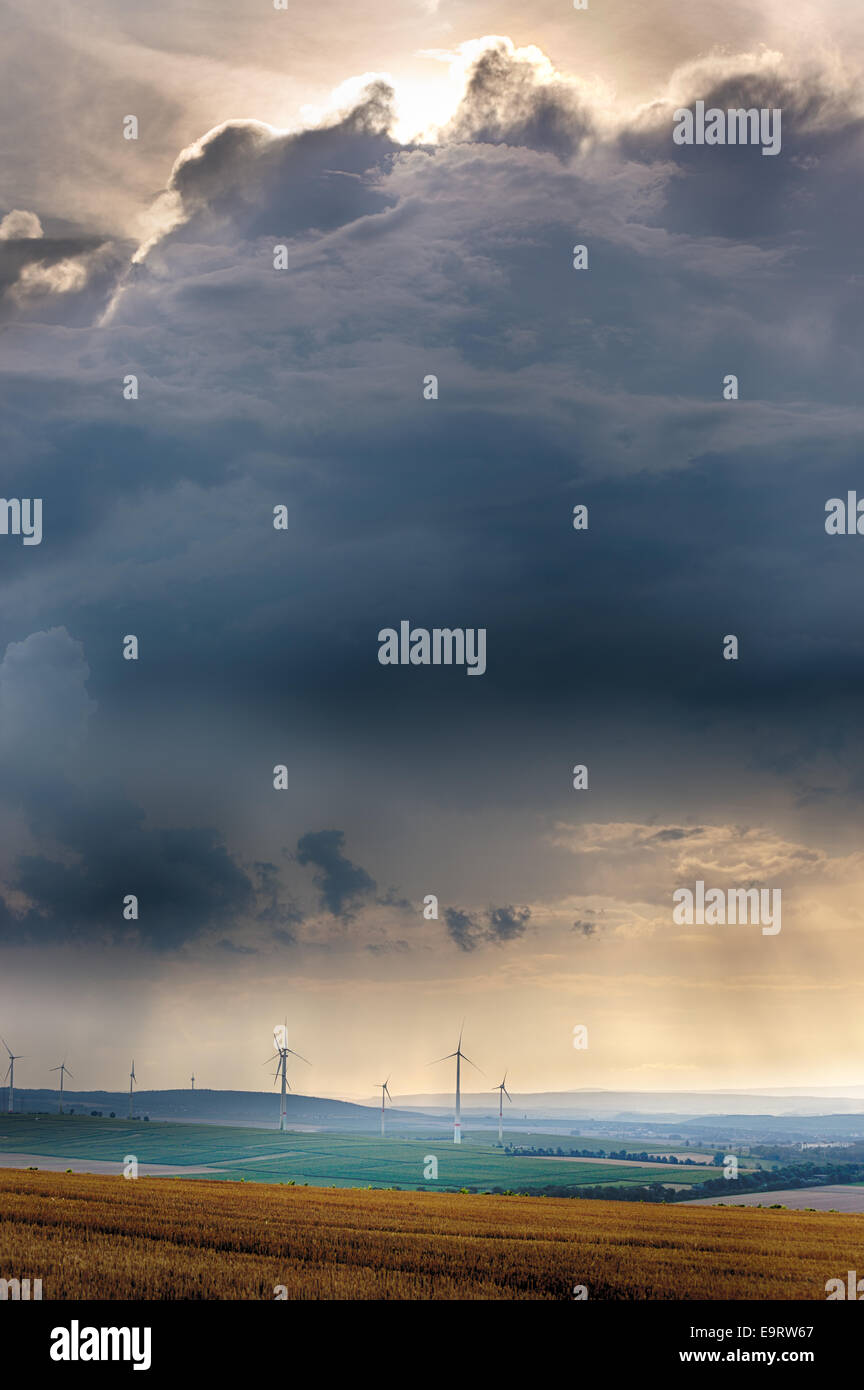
(543,1139)
(321,1160)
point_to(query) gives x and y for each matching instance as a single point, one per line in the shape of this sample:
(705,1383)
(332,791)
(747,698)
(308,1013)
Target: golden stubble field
(158,1238)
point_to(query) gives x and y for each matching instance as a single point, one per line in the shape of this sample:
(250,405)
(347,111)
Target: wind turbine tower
(502,1089)
(63,1069)
(10,1073)
(384,1092)
(460,1057)
(280,1056)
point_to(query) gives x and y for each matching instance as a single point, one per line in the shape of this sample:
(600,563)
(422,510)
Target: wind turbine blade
(473,1064)
(297,1054)
(441,1059)
(270,1059)
(57,1069)
(70,1073)
(508,1095)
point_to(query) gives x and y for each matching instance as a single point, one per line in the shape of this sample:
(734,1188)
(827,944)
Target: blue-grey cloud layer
(304,387)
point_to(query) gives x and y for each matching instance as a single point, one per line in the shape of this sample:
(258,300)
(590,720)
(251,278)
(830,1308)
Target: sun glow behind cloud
(420,107)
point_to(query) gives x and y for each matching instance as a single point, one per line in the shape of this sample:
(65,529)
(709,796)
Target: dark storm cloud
(609,382)
(504,103)
(184,879)
(498,924)
(462,928)
(583,928)
(267,182)
(557,387)
(506,923)
(276,910)
(739,193)
(343,886)
(392,898)
(676,833)
(101,848)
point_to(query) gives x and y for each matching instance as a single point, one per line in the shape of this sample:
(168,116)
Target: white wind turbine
(384,1092)
(63,1069)
(10,1072)
(281,1055)
(132,1079)
(502,1089)
(460,1057)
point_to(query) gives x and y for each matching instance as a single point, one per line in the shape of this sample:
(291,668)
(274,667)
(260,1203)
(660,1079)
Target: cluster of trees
(794,1175)
(791,1175)
(851,1153)
(642,1157)
(98,1114)
(652,1192)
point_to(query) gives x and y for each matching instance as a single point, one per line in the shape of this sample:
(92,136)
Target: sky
(428,169)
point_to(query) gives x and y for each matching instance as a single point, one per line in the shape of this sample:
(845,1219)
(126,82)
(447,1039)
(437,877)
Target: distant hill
(788,1128)
(224,1107)
(633,1105)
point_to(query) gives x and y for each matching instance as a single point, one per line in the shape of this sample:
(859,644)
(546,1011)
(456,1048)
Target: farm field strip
(109,1167)
(841,1197)
(95,1237)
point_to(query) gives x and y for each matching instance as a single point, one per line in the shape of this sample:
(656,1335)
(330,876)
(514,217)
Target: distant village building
(826,1144)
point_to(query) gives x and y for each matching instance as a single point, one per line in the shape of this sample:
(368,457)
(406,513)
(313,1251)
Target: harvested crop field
(162,1238)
